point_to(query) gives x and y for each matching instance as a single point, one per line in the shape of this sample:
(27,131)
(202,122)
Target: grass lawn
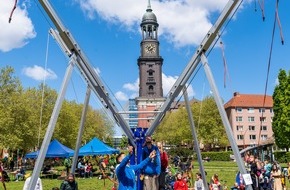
(48,184)
(225,170)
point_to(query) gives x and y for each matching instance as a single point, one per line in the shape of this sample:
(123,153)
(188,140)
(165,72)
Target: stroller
(5,176)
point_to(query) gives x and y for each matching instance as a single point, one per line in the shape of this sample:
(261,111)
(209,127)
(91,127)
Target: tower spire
(149,7)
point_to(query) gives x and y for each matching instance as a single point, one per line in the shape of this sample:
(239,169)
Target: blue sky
(109,34)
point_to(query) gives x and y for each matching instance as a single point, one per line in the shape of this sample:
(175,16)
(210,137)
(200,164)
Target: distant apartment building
(250,117)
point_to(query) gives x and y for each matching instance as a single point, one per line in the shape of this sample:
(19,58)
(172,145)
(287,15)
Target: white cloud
(121,96)
(132,86)
(182,22)
(17,33)
(167,83)
(38,73)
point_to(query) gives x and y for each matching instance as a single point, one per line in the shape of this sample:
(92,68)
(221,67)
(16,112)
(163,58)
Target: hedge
(282,157)
(214,156)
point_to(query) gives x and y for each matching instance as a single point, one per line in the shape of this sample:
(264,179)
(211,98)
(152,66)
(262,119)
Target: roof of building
(249,100)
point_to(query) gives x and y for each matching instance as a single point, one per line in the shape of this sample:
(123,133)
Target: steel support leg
(139,135)
(225,120)
(81,130)
(51,125)
(194,135)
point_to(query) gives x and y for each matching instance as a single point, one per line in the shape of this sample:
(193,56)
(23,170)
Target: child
(198,185)
(180,184)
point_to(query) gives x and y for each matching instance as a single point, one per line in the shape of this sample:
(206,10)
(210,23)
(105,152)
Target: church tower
(150,70)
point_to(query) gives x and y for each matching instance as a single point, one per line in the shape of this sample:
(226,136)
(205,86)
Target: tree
(39,103)
(281,108)
(25,115)
(175,127)
(10,116)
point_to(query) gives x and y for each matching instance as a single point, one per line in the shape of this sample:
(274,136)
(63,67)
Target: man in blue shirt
(153,168)
(126,173)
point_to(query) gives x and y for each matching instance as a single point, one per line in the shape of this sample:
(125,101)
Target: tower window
(150,72)
(151,88)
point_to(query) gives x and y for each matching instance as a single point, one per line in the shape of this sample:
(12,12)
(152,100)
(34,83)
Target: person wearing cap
(153,169)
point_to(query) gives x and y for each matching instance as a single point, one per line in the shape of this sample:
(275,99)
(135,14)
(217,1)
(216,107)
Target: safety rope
(268,71)
(43,89)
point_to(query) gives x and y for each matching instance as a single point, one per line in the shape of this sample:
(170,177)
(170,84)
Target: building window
(251,110)
(251,128)
(251,119)
(262,110)
(264,128)
(239,110)
(240,128)
(239,118)
(252,137)
(271,110)
(263,119)
(240,137)
(264,137)
(151,89)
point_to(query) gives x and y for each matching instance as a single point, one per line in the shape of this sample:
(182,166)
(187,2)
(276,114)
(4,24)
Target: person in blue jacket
(153,169)
(126,172)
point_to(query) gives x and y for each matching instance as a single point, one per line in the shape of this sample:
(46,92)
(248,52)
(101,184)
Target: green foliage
(181,152)
(282,156)
(281,108)
(217,156)
(124,142)
(25,115)
(175,127)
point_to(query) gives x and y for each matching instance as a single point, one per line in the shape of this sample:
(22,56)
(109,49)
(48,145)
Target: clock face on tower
(150,48)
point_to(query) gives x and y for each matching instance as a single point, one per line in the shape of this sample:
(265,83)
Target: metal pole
(81,130)
(139,134)
(224,117)
(68,45)
(230,7)
(51,125)
(194,135)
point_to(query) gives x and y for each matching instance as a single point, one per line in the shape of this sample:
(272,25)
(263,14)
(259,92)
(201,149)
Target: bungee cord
(226,73)
(268,68)
(12,11)
(279,23)
(262,7)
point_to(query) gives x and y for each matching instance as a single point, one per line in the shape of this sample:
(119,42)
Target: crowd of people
(264,175)
(156,172)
